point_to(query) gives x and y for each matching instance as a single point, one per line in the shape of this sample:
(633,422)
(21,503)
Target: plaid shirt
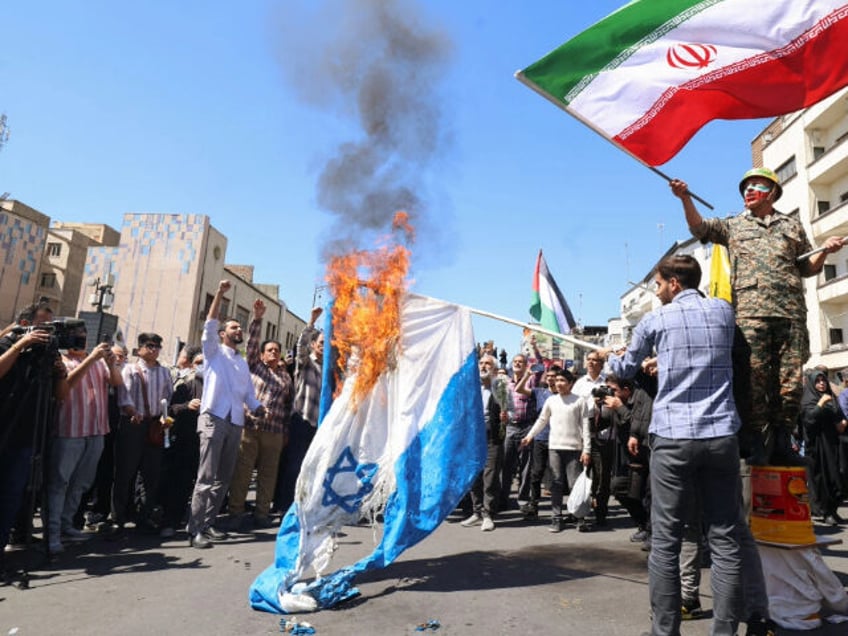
(693,337)
(308,379)
(273,387)
(524,409)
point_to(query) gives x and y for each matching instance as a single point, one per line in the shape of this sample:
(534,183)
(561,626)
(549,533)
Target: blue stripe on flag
(433,475)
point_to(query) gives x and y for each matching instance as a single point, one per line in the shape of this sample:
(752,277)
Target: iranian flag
(548,305)
(649,75)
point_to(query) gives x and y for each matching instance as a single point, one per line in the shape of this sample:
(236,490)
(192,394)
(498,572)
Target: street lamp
(102,297)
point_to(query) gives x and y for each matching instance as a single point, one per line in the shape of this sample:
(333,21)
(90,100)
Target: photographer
(82,423)
(631,408)
(31,377)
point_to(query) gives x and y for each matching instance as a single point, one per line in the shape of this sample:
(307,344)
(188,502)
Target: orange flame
(368,287)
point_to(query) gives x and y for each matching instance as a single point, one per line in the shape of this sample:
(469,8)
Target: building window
(242,316)
(48,280)
(224,310)
(818,151)
(843,197)
(823,206)
(54,249)
(835,337)
(270,331)
(787,170)
(829,271)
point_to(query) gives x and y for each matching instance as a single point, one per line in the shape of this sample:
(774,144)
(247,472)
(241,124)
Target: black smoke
(380,64)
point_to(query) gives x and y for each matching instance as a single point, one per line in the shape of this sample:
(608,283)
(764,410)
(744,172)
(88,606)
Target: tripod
(30,400)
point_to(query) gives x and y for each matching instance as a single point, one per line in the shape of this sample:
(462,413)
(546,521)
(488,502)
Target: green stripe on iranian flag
(650,63)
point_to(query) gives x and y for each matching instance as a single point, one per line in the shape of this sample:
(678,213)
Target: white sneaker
(473,520)
(488,524)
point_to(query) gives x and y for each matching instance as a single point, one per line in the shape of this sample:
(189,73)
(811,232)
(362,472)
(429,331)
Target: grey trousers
(679,468)
(219,446)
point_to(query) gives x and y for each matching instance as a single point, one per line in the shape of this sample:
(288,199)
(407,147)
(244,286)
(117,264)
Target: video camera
(603,391)
(65,333)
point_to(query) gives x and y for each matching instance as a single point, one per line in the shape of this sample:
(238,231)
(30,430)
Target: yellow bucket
(780,505)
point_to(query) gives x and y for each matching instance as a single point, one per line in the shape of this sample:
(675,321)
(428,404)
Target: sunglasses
(152,347)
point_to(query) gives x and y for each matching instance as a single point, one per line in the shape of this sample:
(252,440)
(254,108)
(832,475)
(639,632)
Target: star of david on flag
(409,450)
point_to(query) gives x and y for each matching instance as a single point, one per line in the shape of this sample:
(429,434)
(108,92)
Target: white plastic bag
(580,499)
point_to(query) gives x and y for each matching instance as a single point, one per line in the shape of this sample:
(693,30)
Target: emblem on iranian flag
(691,55)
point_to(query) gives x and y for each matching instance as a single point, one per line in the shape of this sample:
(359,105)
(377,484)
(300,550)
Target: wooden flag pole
(519,75)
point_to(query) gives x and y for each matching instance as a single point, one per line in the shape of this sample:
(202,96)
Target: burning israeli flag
(409,449)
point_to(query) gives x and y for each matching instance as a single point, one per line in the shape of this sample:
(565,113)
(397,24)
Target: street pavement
(518,579)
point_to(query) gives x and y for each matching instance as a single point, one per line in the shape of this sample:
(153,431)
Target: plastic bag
(580,499)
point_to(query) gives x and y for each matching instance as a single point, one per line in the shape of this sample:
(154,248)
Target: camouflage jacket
(765,277)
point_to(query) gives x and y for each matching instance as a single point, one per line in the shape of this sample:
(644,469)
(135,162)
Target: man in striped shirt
(146,384)
(83,420)
(263,438)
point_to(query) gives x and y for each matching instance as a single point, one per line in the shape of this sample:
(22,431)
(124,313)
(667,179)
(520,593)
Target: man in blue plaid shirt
(693,439)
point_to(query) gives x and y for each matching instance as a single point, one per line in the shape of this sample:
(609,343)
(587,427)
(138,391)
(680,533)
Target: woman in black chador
(822,422)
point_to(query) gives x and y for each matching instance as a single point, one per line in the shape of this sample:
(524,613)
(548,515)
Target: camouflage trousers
(768,379)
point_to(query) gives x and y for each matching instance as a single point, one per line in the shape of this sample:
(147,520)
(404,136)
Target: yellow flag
(720,274)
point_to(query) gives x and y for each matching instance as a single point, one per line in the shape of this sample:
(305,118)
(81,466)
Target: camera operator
(31,376)
(631,408)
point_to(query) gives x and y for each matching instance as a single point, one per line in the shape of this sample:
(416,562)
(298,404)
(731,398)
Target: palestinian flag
(649,75)
(548,305)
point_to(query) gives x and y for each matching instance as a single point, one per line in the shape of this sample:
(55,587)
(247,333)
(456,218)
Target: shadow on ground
(481,570)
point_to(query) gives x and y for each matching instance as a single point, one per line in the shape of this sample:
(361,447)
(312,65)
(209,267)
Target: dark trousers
(134,453)
(538,466)
(14,474)
(486,489)
(101,491)
(515,460)
(179,469)
(630,492)
(602,455)
(301,433)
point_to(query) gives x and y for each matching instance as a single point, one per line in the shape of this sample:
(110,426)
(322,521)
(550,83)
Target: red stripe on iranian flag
(771,84)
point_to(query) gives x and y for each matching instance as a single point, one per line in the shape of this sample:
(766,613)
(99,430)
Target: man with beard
(227,389)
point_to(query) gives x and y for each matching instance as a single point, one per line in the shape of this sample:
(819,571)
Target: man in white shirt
(227,388)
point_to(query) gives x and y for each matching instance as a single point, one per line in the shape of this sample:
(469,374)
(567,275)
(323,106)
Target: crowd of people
(670,426)
(98,442)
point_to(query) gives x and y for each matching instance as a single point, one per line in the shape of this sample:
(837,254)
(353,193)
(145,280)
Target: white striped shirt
(159,386)
(85,412)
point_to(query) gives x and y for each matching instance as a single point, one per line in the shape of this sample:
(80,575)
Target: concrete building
(63,261)
(807,149)
(23,235)
(164,274)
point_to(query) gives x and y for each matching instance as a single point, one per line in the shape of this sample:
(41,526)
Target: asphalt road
(519,579)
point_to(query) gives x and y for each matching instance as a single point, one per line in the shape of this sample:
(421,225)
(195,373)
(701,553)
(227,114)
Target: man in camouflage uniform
(768,294)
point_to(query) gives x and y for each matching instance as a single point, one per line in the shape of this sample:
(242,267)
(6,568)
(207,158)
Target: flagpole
(519,75)
(575,341)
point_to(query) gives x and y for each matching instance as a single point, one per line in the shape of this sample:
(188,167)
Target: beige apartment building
(61,278)
(23,235)
(163,275)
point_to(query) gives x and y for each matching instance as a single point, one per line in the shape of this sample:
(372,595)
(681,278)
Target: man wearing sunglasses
(768,294)
(147,383)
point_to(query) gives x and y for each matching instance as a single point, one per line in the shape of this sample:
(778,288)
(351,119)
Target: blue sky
(216,108)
